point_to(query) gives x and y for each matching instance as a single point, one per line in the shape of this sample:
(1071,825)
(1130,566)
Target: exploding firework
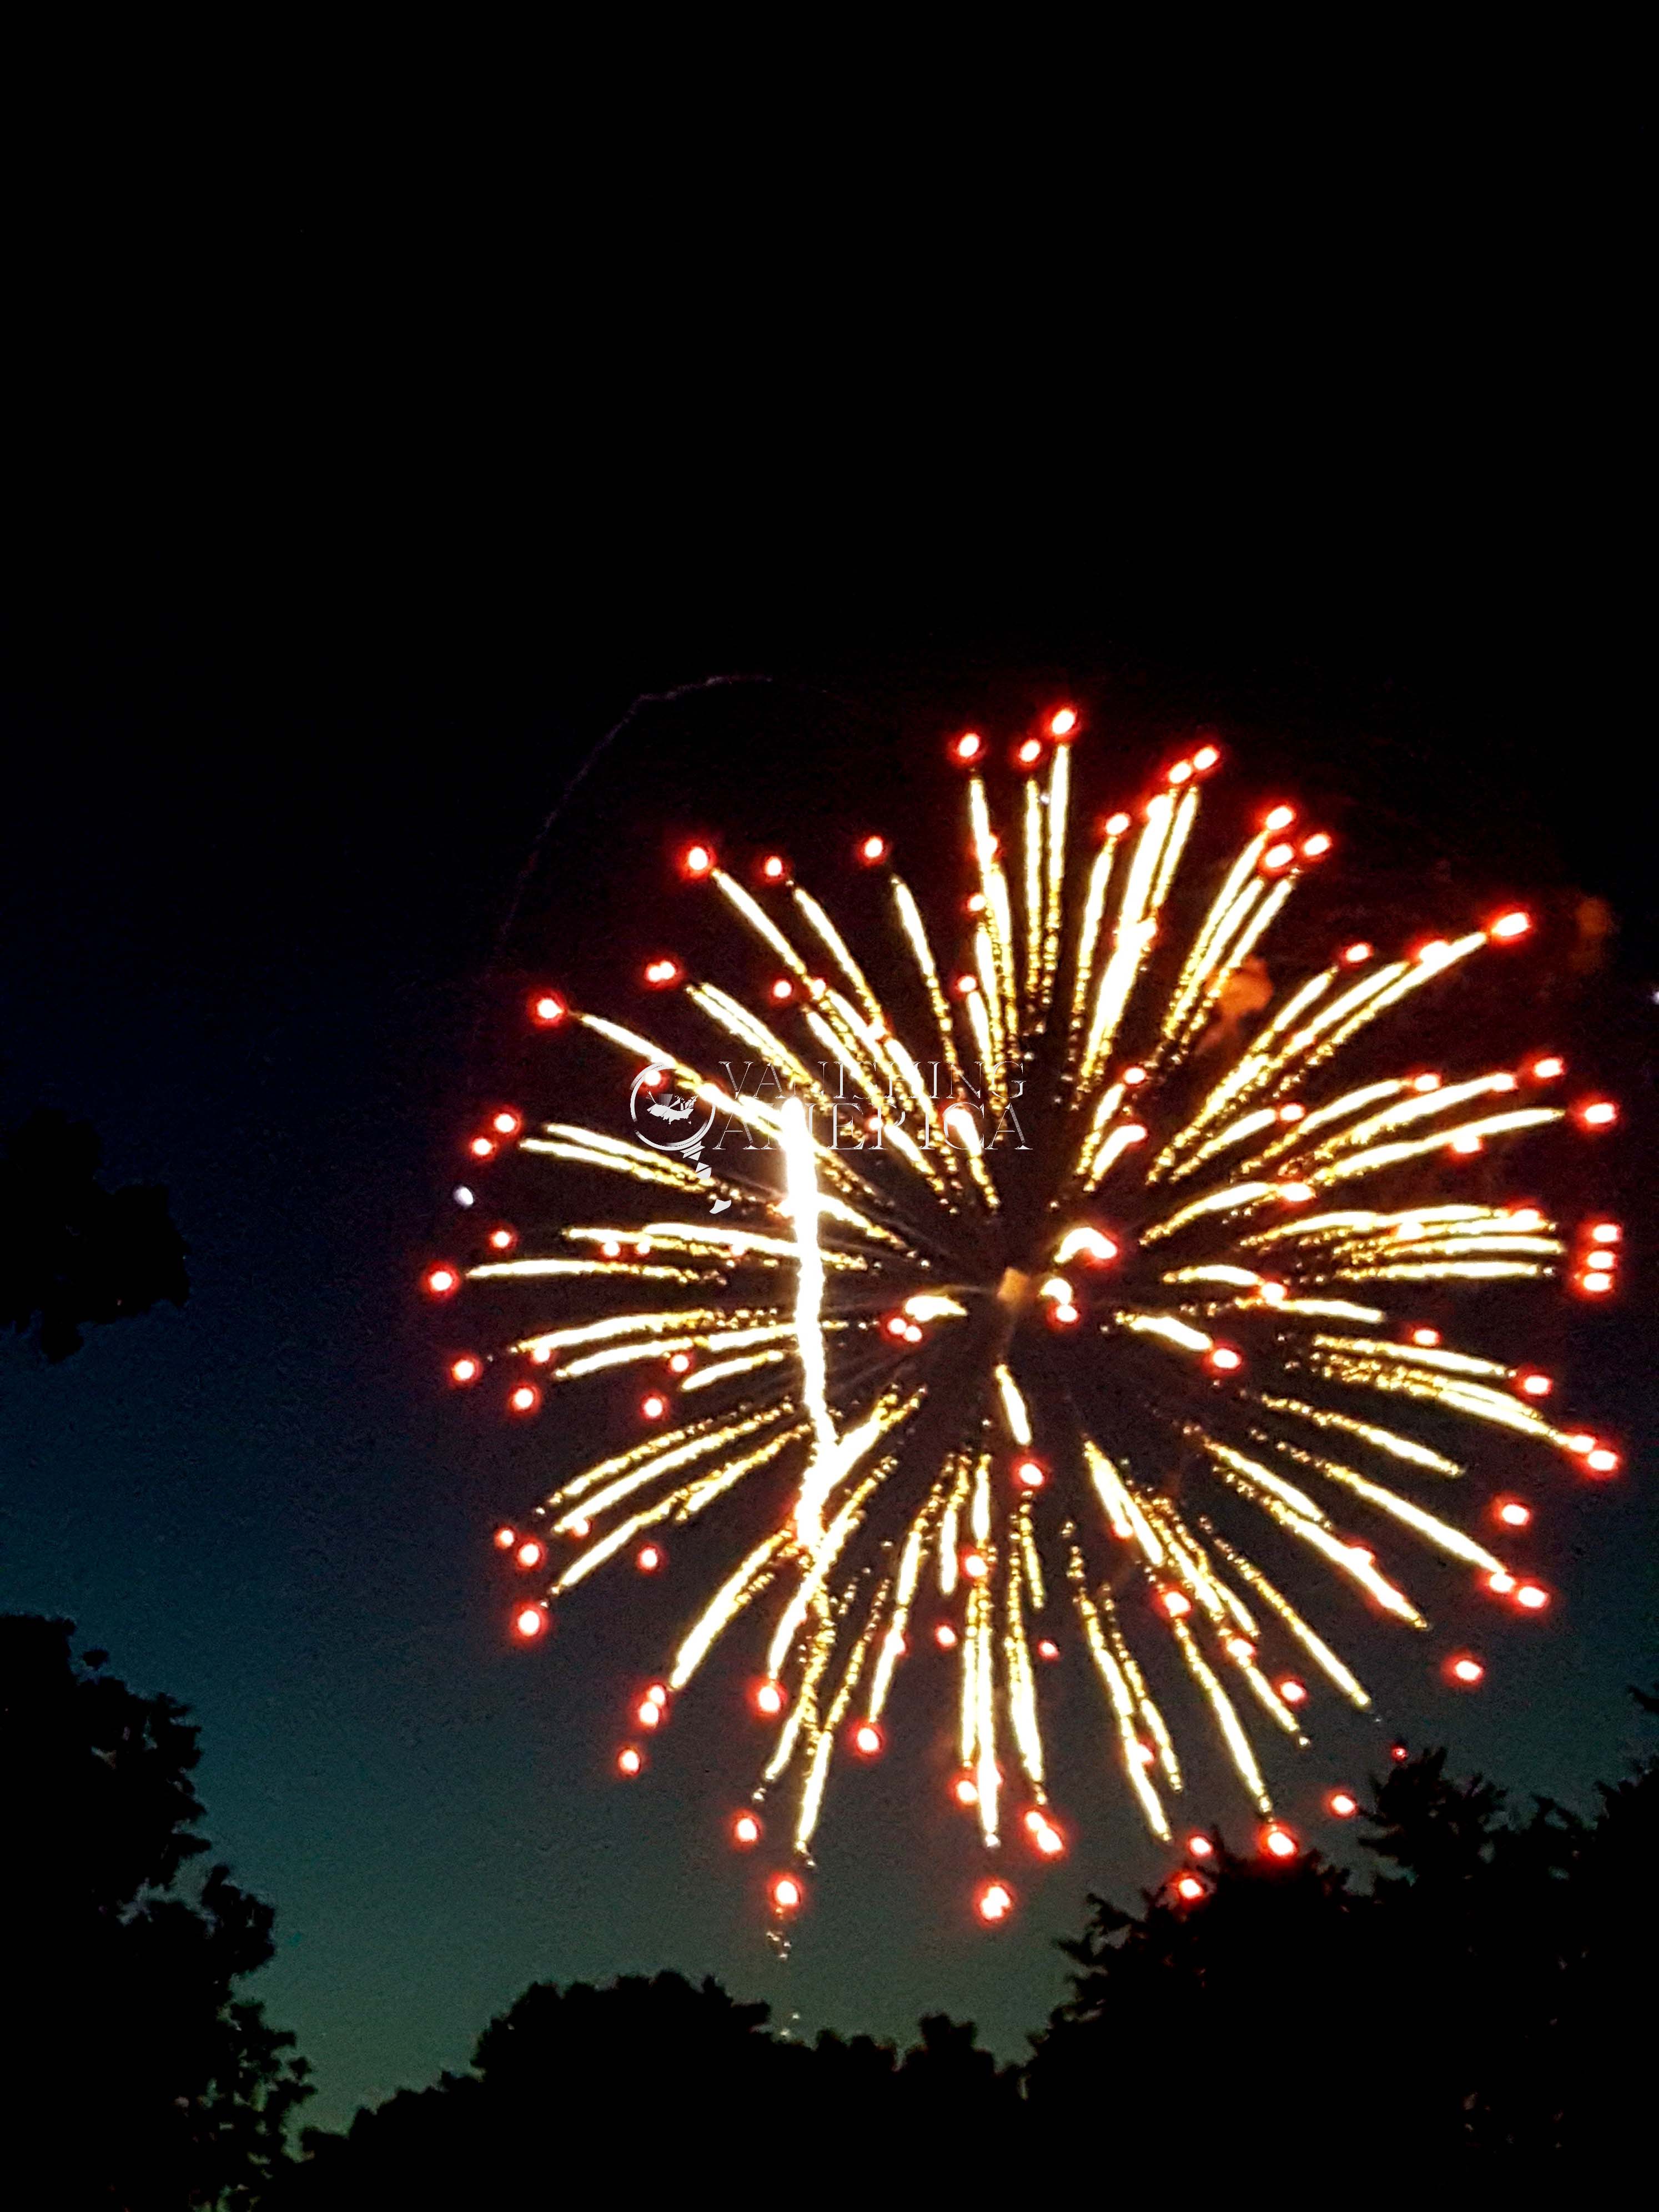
(1058,1280)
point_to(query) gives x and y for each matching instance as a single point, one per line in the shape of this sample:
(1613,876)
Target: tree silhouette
(136,2077)
(655,2085)
(71,1251)
(1469,2010)
(1474,2005)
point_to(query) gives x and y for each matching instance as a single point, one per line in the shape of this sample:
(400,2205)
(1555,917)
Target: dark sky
(300,653)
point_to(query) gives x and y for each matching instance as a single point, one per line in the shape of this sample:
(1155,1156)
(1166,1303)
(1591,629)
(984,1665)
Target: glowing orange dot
(1145,1754)
(872,849)
(974,1566)
(945,1637)
(1176,1603)
(1046,1648)
(1426,1337)
(1601,1460)
(466,1368)
(1532,1596)
(1355,954)
(1277,1842)
(976,903)
(1292,1691)
(1599,1113)
(697,860)
(1596,1285)
(546,1007)
(648,1558)
(1500,1582)
(1547,1070)
(1511,925)
(1064,1316)
(1295,1193)
(769,1699)
(1513,1514)
(502,1239)
(1280,818)
(1316,847)
(786,1894)
(482,1148)
(969,746)
(1433,953)
(1117,825)
(1029,753)
(529,1553)
(1134,1133)
(1062,724)
(896,1325)
(1535,1385)
(506,1538)
(1292,1113)
(524,1399)
(1048,1840)
(1134,1075)
(866,1739)
(745,1830)
(629,1759)
(1200,1847)
(1240,1648)
(1467,1670)
(773,868)
(1604,1233)
(1029,1474)
(529,1620)
(1343,1803)
(609,1249)
(1424,1084)
(1182,772)
(578,1528)
(1224,1357)
(1205,758)
(996,1902)
(965,1790)
(1189,1888)
(653,1406)
(912,1334)
(646,1714)
(1465,1142)
(1279,856)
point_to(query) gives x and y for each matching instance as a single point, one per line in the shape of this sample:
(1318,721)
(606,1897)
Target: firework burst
(1051,1291)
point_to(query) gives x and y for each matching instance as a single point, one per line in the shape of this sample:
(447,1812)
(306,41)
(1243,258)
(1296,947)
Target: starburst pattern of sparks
(1026,1304)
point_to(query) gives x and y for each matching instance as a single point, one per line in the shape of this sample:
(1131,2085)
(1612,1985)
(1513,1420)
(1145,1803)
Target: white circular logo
(665,1118)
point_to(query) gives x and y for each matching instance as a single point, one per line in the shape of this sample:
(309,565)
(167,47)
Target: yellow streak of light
(1123,1704)
(1315,1647)
(1232,1729)
(1406,1447)
(915,932)
(1013,1406)
(723,1608)
(1440,1534)
(724,1369)
(1033,891)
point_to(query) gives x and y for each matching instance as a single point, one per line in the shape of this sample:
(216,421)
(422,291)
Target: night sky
(274,875)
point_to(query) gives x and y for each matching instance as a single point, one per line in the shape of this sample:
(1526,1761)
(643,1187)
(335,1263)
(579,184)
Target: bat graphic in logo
(671,1110)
